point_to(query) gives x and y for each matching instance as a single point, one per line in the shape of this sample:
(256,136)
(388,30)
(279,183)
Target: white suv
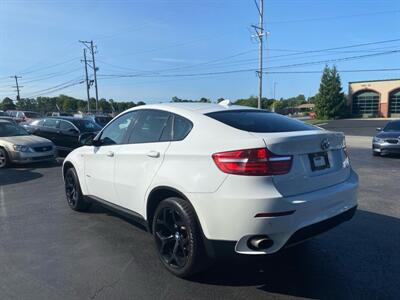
(213,179)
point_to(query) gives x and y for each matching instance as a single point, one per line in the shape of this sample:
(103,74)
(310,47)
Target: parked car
(210,180)
(64,132)
(3,114)
(18,146)
(7,117)
(58,114)
(387,140)
(23,116)
(100,120)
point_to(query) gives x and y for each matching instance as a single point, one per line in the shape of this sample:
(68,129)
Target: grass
(315,121)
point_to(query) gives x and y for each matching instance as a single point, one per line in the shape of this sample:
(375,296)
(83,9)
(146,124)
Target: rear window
(259,121)
(86,125)
(31,115)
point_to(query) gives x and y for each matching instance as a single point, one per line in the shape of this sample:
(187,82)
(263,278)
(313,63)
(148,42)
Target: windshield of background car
(259,121)
(392,126)
(86,125)
(10,129)
(103,120)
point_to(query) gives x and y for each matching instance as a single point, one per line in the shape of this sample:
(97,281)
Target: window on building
(366,103)
(394,104)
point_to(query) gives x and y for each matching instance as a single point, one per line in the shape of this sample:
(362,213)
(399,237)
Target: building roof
(377,80)
(306,105)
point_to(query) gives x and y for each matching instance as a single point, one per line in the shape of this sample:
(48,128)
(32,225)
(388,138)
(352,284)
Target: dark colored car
(23,116)
(64,132)
(100,120)
(387,141)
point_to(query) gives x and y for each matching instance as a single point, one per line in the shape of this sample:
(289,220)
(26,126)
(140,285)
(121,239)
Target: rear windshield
(259,121)
(86,125)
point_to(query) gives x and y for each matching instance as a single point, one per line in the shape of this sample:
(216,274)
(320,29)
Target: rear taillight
(252,162)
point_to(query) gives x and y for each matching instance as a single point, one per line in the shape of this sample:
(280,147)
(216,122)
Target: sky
(152,50)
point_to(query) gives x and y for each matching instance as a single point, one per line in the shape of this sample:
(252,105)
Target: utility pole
(275,89)
(87,80)
(260,35)
(95,77)
(16,85)
(91,46)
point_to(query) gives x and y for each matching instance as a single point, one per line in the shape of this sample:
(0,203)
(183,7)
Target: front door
(100,161)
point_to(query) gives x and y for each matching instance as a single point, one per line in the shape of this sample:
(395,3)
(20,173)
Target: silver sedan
(18,146)
(387,141)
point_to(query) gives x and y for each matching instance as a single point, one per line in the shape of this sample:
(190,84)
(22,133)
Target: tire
(4,159)
(178,238)
(75,198)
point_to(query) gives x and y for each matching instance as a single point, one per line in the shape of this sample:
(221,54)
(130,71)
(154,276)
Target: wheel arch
(66,166)
(158,194)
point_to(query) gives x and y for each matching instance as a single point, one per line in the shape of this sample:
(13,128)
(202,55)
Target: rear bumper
(233,222)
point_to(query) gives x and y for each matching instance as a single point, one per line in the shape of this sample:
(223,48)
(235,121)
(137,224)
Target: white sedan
(210,180)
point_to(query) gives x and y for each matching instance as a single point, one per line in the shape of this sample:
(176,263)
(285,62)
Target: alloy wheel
(172,238)
(3,158)
(71,190)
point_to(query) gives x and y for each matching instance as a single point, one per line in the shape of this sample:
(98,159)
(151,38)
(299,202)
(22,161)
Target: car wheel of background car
(75,199)
(4,161)
(178,238)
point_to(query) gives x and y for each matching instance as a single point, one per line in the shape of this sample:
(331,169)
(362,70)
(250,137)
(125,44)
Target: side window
(114,133)
(150,127)
(66,126)
(51,123)
(182,128)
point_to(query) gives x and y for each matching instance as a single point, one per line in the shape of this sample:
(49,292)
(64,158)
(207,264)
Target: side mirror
(87,139)
(378,129)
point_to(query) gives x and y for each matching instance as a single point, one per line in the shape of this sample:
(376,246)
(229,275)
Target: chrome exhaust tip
(259,242)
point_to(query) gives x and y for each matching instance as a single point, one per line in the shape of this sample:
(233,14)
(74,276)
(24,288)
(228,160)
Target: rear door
(49,130)
(138,161)
(68,135)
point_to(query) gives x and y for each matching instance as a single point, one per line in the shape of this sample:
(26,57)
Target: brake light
(253,162)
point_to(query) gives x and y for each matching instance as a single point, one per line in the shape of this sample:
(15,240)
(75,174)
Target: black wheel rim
(172,238)
(71,190)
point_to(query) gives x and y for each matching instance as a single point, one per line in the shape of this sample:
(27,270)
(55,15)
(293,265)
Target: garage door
(394,104)
(366,104)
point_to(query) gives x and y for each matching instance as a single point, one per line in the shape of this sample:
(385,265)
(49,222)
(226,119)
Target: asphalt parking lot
(48,251)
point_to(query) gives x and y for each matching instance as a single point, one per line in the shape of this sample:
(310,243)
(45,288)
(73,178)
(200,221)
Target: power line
(72,81)
(339,71)
(248,70)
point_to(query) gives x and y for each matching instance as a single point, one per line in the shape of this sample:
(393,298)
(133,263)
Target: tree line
(66,104)
(330,101)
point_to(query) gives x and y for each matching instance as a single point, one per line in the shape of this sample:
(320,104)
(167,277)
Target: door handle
(154,154)
(110,154)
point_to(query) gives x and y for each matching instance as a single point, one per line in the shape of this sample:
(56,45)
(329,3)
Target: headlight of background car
(378,140)
(22,148)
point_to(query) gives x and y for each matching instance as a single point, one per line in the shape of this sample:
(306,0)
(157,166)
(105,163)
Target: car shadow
(97,208)
(12,176)
(359,259)
(39,165)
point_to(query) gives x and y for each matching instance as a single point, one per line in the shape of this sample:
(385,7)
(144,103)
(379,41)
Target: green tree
(330,102)
(7,104)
